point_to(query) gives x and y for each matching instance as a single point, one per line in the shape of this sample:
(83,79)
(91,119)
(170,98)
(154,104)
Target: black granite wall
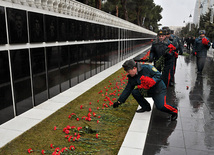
(30,76)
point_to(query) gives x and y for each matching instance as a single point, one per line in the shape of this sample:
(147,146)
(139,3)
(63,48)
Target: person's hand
(116,104)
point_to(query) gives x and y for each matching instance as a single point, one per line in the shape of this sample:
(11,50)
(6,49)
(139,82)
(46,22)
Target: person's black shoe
(143,110)
(174,116)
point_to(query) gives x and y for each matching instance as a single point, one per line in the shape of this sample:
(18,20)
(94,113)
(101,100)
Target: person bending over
(146,78)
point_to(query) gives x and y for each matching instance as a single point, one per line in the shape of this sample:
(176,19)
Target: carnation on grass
(88,124)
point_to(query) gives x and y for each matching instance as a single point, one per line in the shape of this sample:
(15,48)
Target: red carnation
(55,128)
(97,135)
(89,114)
(89,109)
(89,103)
(68,127)
(81,107)
(205,41)
(176,55)
(67,131)
(43,152)
(171,48)
(94,114)
(73,127)
(57,149)
(146,82)
(72,147)
(29,150)
(78,119)
(79,128)
(52,146)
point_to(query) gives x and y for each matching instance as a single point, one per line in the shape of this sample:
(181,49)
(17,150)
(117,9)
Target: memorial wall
(44,51)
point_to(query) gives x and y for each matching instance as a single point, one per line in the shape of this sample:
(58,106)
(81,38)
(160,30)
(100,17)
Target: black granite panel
(21,80)
(72,30)
(73,51)
(17,26)
(79,30)
(39,75)
(6,109)
(87,30)
(97,32)
(65,70)
(81,63)
(63,28)
(36,27)
(51,28)
(106,33)
(102,32)
(3,35)
(93,32)
(53,71)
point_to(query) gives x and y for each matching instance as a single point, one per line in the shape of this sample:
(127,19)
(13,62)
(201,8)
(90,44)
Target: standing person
(188,41)
(148,78)
(192,41)
(201,45)
(158,51)
(175,42)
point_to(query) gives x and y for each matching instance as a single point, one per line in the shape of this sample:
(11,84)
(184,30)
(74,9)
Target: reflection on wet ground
(193,132)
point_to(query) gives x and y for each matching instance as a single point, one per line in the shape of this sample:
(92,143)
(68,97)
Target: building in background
(201,8)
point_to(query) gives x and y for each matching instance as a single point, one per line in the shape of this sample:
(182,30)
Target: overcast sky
(176,11)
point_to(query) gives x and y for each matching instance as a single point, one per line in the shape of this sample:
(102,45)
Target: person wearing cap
(157,51)
(145,77)
(201,45)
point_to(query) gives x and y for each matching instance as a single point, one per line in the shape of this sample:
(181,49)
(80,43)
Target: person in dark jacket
(146,77)
(158,52)
(201,45)
(175,42)
(188,41)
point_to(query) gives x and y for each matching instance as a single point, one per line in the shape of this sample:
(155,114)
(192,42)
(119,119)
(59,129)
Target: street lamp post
(190,22)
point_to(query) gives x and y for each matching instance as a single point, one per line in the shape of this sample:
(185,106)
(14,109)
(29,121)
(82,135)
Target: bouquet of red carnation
(205,41)
(146,83)
(160,61)
(171,48)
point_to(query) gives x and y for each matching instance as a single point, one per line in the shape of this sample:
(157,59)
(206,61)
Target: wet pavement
(193,132)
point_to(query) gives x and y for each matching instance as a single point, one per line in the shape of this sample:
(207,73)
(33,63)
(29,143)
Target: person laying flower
(147,79)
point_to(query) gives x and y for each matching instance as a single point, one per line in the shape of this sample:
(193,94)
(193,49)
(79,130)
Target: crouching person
(147,79)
